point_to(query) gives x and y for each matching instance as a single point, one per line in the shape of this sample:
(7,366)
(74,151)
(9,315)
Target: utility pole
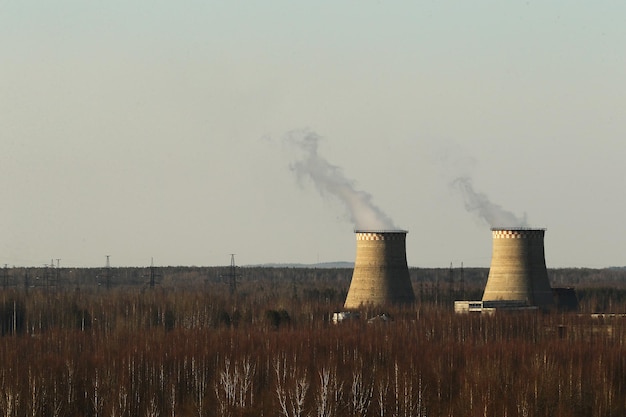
(52,280)
(58,273)
(451,284)
(108,274)
(233,275)
(462,283)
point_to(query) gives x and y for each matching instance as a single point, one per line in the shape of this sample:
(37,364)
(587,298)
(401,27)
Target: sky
(184,132)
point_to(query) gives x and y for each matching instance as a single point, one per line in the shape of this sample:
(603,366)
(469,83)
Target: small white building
(490,307)
(340,316)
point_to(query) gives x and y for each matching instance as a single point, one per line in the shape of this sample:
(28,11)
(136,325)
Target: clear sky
(161,129)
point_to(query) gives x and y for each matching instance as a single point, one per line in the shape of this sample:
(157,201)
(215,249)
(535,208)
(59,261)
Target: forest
(213,341)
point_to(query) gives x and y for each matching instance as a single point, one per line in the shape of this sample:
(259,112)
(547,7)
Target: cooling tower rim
(517,229)
(381,231)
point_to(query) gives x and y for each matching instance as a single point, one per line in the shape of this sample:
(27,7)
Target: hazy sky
(161,129)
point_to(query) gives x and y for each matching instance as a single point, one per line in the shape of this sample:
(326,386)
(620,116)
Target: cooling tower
(381,275)
(518,268)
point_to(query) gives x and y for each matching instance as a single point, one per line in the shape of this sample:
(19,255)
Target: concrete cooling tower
(518,268)
(381,275)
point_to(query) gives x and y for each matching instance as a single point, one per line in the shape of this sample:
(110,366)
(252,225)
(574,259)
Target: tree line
(598,290)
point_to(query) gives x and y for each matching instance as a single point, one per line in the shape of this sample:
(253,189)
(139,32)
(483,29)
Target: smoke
(330,181)
(479,203)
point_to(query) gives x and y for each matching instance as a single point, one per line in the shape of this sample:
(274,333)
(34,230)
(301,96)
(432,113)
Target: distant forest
(598,290)
(233,342)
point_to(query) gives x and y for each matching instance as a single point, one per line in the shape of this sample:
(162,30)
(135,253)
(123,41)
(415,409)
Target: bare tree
(55,402)
(37,394)
(199,387)
(96,395)
(153,409)
(383,389)
(330,394)
(173,400)
(291,389)
(360,395)
(119,406)
(234,387)
(69,377)
(9,398)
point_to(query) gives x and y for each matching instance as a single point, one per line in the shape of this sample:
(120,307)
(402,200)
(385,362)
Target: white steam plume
(330,181)
(479,203)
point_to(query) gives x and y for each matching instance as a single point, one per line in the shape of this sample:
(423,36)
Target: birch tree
(291,389)
(234,387)
(330,394)
(199,387)
(360,395)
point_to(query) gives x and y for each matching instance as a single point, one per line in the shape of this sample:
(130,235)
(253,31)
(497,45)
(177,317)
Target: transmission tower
(232,275)
(153,273)
(106,274)
(48,274)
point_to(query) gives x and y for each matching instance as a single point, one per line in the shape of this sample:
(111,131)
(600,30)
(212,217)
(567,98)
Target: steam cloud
(479,203)
(330,181)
